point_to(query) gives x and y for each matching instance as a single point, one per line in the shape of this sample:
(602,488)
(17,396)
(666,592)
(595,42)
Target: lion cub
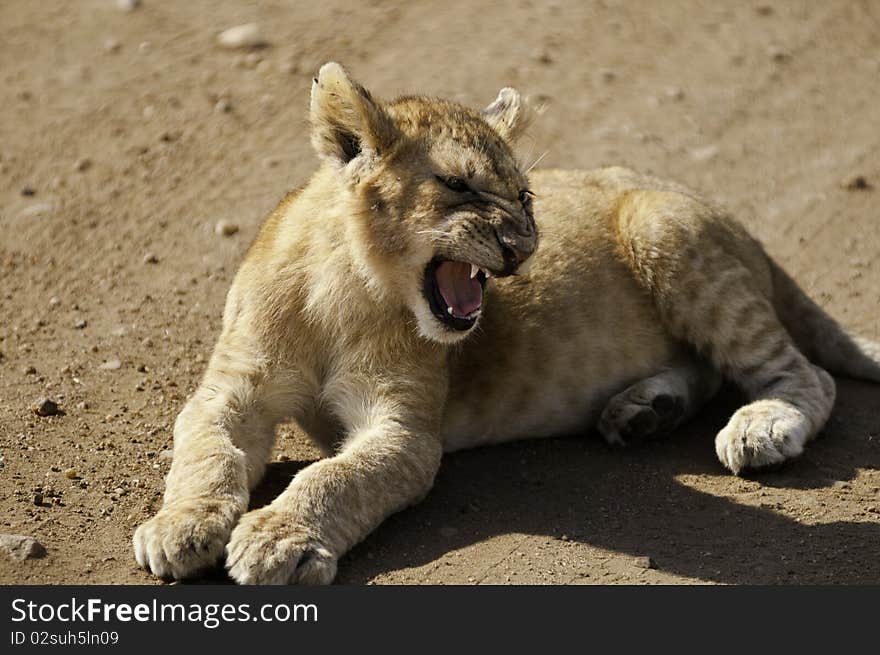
(386,308)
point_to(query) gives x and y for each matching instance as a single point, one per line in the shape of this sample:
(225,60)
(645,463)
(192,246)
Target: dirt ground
(126,136)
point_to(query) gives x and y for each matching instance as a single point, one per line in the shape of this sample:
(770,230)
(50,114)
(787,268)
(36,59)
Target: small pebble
(706,153)
(252,60)
(54,301)
(674,93)
(82,164)
(264,67)
(111,365)
(71,474)
(150,258)
(80,324)
(127,5)
(112,45)
(40,209)
(543,57)
(288,67)
(166,454)
(778,54)
(242,36)
(856,183)
(38,499)
(45,407)
(225,228)
(30,370)
(222,106)
(28,191)
(645,563)
(607,75)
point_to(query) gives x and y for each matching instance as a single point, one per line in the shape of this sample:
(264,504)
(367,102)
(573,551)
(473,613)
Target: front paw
(268,547)
(186,536)
(764,433)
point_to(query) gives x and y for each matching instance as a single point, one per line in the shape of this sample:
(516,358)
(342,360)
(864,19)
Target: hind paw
(640,412)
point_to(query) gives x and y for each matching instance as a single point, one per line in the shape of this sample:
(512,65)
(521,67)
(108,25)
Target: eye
(454,183)
(525,197)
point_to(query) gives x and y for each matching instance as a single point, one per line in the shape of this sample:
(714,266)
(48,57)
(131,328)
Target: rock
(264,67)
(111,365)
(674,93)
(225,228)
(54,301)
(39,209)
(251,60)
(80,324)
(30,370)
(242,36)
(166,454)
(112,45)
(448,531)
(45,407)
(150,258)
(21,547)
(542,57)
(38,498)
(82,164)
(127,5)
(222,106)
(71,474)
(705,154)
(288,67)
(856,183)
(28,191)
(645,563)
(778,53)
(607,75)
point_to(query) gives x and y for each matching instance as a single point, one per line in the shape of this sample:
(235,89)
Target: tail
(819,336)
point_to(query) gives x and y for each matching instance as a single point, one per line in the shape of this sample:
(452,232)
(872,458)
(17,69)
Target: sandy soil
(116,162)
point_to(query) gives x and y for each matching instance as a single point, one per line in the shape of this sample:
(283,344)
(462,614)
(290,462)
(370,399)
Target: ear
(509,114)
(346,121)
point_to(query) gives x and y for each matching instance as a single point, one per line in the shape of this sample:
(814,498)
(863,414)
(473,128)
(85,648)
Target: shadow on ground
(631,501)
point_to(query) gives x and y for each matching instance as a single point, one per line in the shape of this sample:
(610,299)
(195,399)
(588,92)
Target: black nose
(515,251)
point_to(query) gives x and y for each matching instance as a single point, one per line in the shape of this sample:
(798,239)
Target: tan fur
(640,296)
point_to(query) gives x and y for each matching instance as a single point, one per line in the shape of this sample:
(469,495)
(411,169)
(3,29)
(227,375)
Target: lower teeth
(472,315)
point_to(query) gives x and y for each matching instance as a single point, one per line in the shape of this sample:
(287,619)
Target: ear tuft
(510,114)
(345,119)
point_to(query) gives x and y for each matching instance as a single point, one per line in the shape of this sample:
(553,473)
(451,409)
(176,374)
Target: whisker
(537,161)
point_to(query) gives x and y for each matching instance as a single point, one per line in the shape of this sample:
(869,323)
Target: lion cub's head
(437,202)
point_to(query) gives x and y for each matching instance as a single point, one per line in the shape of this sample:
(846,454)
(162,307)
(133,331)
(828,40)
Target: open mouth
(454,291)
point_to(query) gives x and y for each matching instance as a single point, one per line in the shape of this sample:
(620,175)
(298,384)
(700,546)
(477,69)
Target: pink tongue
(461,292)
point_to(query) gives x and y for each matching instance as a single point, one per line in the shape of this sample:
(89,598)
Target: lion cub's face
(438,199)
